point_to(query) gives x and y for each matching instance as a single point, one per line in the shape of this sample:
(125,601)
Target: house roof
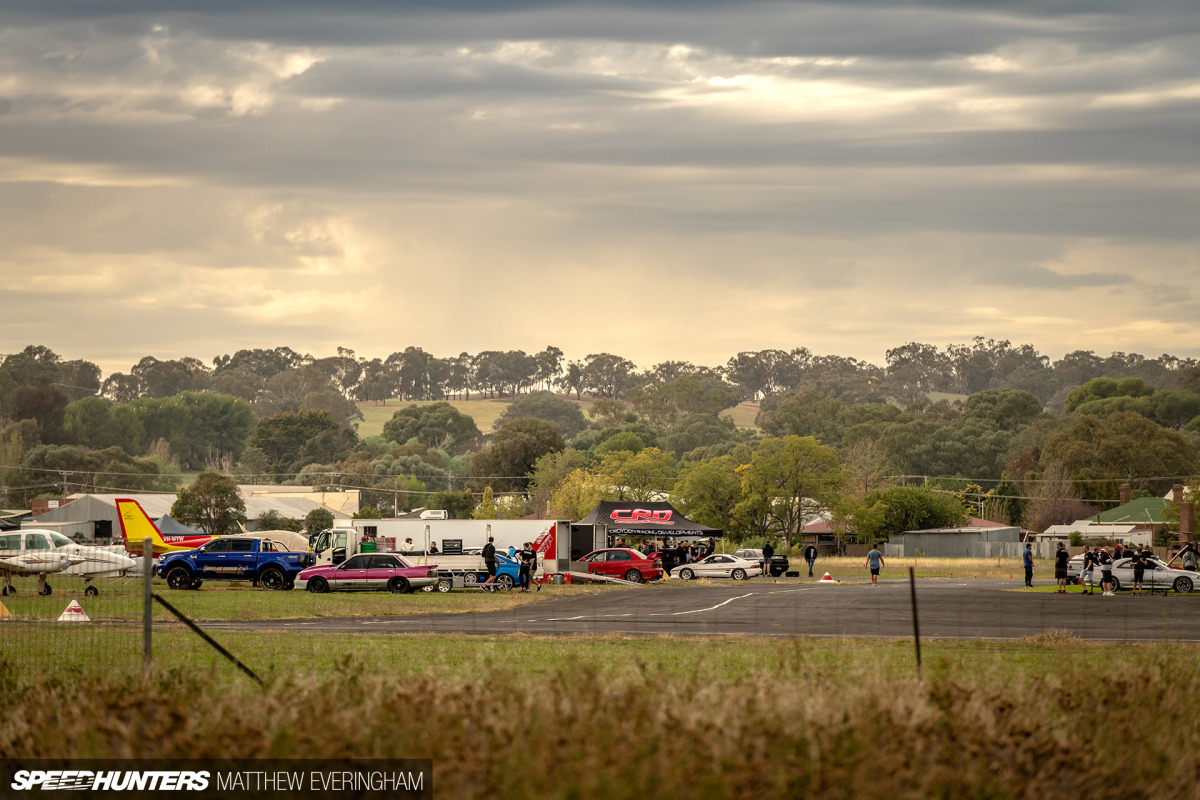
(1090,528)
(157,505)
(1138,512)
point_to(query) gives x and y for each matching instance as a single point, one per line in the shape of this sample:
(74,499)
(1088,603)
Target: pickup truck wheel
(686,574)
(739,574)
(398,585)
(271,579)
(470,579)
(1183,585)
(179,578)
(444,585)
(633,576)
(318,585)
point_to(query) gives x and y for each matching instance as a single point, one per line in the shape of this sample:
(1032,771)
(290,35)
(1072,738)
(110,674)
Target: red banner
(546,543)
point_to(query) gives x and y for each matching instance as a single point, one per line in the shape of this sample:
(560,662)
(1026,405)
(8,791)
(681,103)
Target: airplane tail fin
(136,527)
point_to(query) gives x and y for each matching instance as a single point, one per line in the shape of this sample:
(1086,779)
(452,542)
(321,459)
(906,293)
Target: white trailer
(456,539)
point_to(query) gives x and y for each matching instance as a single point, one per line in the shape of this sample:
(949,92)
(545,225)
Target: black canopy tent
(612,520)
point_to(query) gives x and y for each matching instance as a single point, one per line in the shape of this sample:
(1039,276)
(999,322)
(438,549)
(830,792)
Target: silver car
(719,565)
(1156,576)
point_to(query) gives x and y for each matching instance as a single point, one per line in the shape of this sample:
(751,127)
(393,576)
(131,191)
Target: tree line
(1040,440)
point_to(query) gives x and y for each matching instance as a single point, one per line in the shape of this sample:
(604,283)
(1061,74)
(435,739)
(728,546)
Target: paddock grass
(853,568)
(245,602)
(484,412)
(742,414)
(615,717)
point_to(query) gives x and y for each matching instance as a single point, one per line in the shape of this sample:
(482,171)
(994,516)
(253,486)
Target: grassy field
(122,601)
(854,569)
(742,414)
(949,396)
(484,412)
(610,717)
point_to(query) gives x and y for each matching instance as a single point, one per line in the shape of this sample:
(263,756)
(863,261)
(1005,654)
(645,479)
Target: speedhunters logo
(114,780)
(203,778)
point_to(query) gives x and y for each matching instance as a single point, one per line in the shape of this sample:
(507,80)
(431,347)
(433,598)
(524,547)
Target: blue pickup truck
(235,558)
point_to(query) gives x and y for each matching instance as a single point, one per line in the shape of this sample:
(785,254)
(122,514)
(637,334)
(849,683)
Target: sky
(658,179)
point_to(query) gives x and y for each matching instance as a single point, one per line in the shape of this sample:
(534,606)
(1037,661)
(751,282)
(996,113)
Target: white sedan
(719,565)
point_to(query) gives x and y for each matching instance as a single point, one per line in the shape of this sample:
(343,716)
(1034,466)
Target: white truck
(459,542)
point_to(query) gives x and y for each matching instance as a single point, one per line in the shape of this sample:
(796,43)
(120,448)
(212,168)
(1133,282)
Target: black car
(779,562)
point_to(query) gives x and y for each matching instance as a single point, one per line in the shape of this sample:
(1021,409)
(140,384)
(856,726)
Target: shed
(964,542)
(94,516)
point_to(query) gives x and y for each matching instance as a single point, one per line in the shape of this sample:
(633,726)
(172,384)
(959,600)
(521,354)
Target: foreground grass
(123,601)
(611,717)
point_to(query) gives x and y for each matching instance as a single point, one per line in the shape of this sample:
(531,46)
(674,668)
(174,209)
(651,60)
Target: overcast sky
(659,179)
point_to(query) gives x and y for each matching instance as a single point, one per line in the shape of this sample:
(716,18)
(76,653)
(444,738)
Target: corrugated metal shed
(94,516)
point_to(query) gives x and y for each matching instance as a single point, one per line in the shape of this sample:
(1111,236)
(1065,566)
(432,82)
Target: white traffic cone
(74,613)
(826,578)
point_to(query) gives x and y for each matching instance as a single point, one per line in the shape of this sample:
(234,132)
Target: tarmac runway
(948,608)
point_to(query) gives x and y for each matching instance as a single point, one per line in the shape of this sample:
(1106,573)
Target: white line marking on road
(710,608)
(570,619)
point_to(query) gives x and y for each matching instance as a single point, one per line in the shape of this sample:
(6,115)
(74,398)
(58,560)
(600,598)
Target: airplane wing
(38,562)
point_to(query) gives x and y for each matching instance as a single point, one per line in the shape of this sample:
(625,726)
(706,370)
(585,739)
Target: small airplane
(136,527)
(40,552)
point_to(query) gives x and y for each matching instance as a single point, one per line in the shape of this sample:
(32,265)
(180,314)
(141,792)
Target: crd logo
(634,514)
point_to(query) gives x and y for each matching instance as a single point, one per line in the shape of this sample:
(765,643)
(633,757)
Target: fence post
(912,585)
(147,606)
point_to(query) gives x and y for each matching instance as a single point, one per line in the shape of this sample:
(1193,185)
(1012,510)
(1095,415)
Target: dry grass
(216,601)
(814,719)
(484,412)
(855,569)
(742,414)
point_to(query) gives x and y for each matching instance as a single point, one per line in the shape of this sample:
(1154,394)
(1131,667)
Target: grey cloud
(1034,277)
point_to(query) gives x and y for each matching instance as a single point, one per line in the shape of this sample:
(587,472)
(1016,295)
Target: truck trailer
(459,541)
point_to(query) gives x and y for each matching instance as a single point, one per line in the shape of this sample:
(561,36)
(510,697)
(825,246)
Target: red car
(625,563)
(365,572)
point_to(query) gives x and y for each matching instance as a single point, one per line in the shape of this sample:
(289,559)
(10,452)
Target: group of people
(684,552)
(526,559)
(1102,559)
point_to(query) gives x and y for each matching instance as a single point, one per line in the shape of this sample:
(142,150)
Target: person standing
(1188,556)
(810,556)
(525,570)
(489,562)
(1062,556)
(1106,562)
(1118,553)
(874,563)
(1139,569)
(1027,562)
(407,547)
(768,554)
(1089,570)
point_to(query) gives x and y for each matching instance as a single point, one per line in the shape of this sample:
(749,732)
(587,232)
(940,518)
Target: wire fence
(71,623)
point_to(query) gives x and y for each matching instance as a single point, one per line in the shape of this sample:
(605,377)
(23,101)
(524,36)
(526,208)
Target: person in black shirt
(527,558)
(810,555)
(768,554)
(1089,567)
(1061,557)
(489,561)
(1106,562)
(1140,559)
(1118,553)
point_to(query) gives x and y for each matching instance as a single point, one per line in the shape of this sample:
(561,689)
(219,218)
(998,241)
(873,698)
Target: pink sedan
(365,572)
